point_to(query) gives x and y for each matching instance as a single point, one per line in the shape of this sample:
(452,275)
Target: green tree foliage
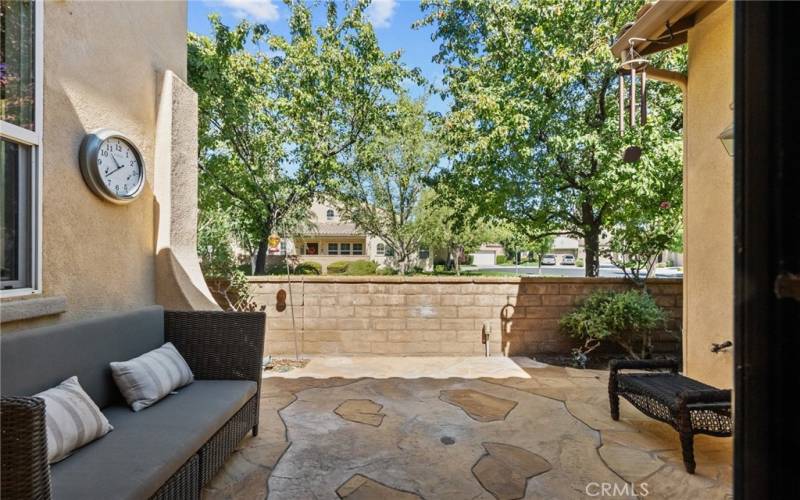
(533,132)
(451,225)
(381,190)
(279,115)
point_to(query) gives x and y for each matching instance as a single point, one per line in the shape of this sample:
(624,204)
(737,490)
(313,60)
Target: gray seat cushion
(38,359)
(147,447)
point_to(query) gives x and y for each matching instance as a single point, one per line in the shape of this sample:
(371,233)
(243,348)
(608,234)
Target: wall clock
(112,166)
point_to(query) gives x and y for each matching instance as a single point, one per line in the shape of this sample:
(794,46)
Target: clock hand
(115,170)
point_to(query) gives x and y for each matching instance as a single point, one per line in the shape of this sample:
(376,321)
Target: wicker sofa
(689,406)
(169,450)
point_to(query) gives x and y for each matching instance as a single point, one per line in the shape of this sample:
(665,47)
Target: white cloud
(253,10)
(380,12)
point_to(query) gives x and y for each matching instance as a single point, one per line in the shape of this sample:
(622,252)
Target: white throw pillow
(73,419)
(150,377)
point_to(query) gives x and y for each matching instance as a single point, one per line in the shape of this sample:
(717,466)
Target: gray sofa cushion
(37,359)
(149,446)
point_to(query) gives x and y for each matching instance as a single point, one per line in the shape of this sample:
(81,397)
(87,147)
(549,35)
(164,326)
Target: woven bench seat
(689,406)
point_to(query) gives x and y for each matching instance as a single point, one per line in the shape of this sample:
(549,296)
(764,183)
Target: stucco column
(179,280)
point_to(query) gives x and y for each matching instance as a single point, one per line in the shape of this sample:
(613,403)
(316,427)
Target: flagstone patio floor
(459,428)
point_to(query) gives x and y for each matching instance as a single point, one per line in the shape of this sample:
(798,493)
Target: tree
(533,132)
(279,115)
(382,189)
(456,228)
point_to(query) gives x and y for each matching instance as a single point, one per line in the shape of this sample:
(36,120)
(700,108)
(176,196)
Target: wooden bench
(689,406)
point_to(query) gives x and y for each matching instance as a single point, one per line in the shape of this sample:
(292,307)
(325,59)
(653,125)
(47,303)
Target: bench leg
(687,437)
(687,446)
(255,430)
(613,395)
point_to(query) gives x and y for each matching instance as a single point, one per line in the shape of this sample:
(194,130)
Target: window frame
(330,214)
(380,249)
(32,139)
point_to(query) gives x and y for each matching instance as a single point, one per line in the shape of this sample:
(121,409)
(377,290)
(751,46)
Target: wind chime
(633,66)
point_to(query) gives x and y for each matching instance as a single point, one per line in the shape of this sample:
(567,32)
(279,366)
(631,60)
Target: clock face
(119,167)
(112,166)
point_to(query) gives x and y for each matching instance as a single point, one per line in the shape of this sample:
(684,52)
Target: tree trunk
(592,242)
(457,260)
(261,258)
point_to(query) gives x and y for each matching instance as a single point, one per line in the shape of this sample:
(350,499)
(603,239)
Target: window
(20,141)
(333,249)
(283,248)
(381,249)
(358,249)
(330,214)
(389,251)
(423,253)
(312,248)
(345,248)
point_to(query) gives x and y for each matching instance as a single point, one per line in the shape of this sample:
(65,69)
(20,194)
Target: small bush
(578,262)
(470,259)
(338,267)
(628,319)
(361,268)
(308,268)
(439,268)
(500,259)
(386,271)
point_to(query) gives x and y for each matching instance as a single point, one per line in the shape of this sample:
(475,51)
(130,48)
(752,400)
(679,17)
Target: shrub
(470,259)
(386,271)
(578,262)
(628,319)
(439,269)
(338,267)
(361,268)
(308,268)
(500,259)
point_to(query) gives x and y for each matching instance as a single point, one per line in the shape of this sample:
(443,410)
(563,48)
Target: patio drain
(447,440)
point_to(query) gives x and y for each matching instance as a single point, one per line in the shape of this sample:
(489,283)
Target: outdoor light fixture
(727,139)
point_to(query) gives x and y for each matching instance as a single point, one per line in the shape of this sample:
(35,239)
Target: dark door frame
(767,250)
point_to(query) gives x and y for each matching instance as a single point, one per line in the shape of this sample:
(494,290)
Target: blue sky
(392,20)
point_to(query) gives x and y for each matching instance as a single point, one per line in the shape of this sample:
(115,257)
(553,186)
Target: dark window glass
(17,63)
(15,191)
(345,248)
(358,249)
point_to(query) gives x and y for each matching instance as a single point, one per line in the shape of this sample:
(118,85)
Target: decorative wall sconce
(726,137)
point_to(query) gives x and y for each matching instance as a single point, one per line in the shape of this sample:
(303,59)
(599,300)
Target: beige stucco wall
(104,63)
(708,200)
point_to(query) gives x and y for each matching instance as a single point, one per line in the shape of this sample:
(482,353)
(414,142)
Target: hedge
(361,268)
(308,268)
(338,267)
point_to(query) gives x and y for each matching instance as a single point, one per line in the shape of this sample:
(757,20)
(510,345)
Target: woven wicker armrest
(218,345)
(643,364)
(706,396)
(25,472)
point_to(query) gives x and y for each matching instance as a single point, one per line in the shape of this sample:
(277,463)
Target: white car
(568,260)
(549,260)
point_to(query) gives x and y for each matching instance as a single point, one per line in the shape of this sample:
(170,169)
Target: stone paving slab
(556,441)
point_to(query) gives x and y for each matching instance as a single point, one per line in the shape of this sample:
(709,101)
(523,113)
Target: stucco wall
(708,192)
(103,65)
(393,315)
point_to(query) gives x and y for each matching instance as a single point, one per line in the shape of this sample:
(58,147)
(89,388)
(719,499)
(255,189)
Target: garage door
(483,259)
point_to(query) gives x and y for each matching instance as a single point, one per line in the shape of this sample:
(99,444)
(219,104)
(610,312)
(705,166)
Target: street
(606,271)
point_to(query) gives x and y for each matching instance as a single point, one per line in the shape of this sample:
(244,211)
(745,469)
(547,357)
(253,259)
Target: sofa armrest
(643,364)
(25,470)
(219,345)
(689,398)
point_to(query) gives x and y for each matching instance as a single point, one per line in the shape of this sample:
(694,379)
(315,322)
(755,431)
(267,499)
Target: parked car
(549,260)
(568,260)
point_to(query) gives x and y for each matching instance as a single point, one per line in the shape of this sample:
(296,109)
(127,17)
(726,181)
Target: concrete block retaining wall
(390,315)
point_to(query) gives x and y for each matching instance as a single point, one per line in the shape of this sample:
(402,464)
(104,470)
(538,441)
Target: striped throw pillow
(150,377)
(73,420)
